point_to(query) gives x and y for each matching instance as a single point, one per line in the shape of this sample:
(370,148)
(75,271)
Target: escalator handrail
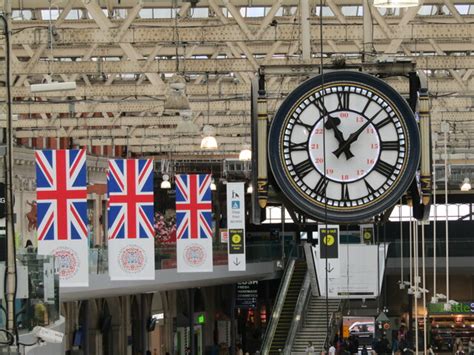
(333,325)
(300,307)
(280,300)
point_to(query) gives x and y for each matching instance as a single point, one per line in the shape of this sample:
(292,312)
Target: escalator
(282,317)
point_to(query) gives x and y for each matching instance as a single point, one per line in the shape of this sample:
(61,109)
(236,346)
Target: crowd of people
(401,345)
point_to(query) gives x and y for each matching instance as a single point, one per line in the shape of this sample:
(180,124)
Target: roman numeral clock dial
(346,147)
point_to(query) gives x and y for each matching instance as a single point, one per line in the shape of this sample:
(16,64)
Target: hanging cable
(416,279)
(402,278)
(423,276)
(324,166)
(446,129)
(435,220)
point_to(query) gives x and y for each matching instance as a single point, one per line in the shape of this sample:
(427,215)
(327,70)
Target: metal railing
(334,323)
(298,317)
(280,300)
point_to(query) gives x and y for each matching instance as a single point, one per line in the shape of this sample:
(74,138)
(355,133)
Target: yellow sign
(367,235)
(329,240)
(236,238)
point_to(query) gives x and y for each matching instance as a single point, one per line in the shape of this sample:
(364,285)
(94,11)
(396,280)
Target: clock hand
(332,123)
(353,136)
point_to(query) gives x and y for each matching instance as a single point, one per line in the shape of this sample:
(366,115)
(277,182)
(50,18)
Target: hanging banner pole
(262,188)
(236,226)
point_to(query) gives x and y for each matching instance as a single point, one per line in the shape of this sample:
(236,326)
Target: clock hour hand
(332,123)
(353,136)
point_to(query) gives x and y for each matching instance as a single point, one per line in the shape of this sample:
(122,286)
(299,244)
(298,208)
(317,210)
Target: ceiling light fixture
(466,185)
(53,86)
(166,184)
(208,142)
(250,189)
(176,101)
(396,3)
(186,125)
(245,154)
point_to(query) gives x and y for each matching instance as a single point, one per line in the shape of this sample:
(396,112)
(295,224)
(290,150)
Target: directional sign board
(236,226)
(247,294)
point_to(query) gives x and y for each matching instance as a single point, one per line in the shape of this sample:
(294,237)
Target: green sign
(460,308)
(199,318)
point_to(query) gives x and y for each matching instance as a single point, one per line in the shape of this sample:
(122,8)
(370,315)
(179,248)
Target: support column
(305,30)
(368,39)
(192,344)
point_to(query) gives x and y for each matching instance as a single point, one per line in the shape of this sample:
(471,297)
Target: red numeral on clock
(374,146)
(329,171)
(370,161)
(360,172)
(370,130)
(315,146)
(318,131)
(344,115)
(344,177)
(319,160)
(359,119)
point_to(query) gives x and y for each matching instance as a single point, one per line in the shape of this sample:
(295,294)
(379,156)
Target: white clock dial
(343,145)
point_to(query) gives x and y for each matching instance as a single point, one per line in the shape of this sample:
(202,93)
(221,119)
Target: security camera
(48,335)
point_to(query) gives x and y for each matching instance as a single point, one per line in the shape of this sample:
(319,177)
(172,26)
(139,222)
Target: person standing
(470,345)
(309,348)
(332,350)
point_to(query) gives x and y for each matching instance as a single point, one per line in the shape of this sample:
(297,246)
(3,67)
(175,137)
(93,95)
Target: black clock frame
(359,213)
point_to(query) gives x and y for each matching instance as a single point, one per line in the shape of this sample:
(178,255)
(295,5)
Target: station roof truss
(123,54)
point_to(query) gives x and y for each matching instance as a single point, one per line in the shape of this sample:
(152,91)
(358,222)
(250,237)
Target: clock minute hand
(353,136)
(332,123)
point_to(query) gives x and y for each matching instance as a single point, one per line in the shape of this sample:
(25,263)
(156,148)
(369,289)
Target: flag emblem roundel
(329,240)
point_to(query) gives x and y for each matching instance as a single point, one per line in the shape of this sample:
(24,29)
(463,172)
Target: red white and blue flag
(194,222)
(130,219)
(62,212)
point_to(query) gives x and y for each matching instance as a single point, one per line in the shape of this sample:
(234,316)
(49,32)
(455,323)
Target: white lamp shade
(209,141)
(466,185)
(213,186)
(250,189)
(165,184)
(245,153)
(396,3)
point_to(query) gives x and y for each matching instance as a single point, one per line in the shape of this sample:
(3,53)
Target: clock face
(346,149)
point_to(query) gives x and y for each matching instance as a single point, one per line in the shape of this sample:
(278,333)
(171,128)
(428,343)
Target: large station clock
(344,147)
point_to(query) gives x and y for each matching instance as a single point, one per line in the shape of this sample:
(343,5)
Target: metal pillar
(10,235)
(192,344)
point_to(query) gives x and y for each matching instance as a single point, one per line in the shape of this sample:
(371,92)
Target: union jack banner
(194,223)
(62,213)
(130,223)
(193,206)
(130,191)
(61,194)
